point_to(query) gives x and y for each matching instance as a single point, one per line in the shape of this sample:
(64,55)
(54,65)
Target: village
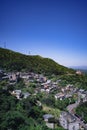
(67,119)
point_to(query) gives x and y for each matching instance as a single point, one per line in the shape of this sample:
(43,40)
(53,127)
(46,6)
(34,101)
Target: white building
(49,119)
(68,121)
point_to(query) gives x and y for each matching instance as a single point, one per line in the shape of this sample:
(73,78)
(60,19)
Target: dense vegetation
(10,60)
(79,81)
(20,114)
(50,101)
(81,110)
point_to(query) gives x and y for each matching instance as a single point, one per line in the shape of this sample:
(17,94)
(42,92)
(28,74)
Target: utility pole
(29,52)
(4,44)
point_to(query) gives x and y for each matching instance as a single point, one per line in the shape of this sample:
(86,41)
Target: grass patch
(53,111)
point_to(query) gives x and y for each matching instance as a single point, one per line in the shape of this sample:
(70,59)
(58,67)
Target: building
(82,96)
(68,121)
(17,93)
(26,95)
(50,120)
(78,72)
(60,96)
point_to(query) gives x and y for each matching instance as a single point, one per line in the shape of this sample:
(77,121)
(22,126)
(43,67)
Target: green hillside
(11,60)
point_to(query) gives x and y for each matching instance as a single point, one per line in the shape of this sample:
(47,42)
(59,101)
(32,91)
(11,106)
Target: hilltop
(14,61)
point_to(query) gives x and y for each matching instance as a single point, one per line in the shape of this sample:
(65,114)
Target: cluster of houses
(66,92)
(49,86)
(31,77)
(45,85)
(67,120)
(10,76)
(69,91)
(82,96)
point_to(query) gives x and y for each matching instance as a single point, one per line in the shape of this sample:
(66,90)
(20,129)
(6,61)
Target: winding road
(70,109)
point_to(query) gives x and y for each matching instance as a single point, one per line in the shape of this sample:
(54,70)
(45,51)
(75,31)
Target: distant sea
(81,68)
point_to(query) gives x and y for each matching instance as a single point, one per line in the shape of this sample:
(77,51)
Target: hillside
(11,60)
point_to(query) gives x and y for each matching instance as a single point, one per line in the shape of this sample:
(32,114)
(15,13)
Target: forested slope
(11,60)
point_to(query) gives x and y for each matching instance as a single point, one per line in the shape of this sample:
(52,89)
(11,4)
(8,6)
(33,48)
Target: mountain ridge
(11,60)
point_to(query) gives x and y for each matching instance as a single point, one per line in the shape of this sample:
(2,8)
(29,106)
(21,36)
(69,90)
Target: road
(70,109)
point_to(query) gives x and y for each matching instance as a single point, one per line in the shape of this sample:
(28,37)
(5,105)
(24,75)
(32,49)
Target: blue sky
(51,28)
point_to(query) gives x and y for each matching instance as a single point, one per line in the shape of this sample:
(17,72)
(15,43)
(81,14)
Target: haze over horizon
(50,28)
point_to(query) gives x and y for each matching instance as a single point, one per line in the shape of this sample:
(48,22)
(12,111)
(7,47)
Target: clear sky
(51,28)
